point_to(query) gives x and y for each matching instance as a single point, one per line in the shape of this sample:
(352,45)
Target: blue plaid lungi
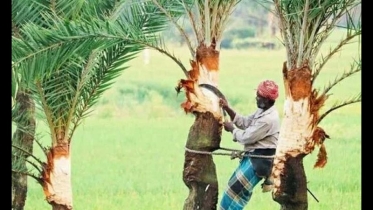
(240,186)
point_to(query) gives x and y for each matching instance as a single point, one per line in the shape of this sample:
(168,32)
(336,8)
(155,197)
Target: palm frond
(21,163)
(353,31)
(355,67)
(306,24)
(35,166)
(110,64)
(213,16)
(43,148)
(324,59)
(18,166)
(26,11)
(176,8)
(43,52)
(338,105)
(111,60)
(67,9)
(161,47)
(43,105)
(74,62)
(31,11)
(54,87)
(28,173)
(208,19)
(20,148)
(23,157)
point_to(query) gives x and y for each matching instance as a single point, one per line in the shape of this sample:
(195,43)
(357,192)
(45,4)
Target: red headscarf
(268,89)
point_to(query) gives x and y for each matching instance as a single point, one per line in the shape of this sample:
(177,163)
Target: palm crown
(69,64)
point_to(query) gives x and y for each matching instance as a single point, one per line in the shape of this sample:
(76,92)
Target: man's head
(266,94)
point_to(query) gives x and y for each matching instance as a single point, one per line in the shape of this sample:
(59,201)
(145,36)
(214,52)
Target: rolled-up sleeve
(252,134)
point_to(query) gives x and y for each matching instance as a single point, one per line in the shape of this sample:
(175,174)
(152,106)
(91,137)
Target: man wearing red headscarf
(258,133)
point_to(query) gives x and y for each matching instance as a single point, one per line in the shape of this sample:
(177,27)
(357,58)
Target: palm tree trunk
(24,137)
(57,177)
(290,189)
(296,139)
(199,173)
(292,195)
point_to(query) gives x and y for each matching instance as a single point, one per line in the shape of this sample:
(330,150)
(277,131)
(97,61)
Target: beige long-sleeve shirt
(259,130)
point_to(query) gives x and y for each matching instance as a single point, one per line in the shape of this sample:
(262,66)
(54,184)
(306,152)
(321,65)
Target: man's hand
(228,126)
(223,103)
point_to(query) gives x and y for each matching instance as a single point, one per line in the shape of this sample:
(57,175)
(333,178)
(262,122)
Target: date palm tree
(23,106)
(208,20)
(304,26)
(66,58)
(23,117)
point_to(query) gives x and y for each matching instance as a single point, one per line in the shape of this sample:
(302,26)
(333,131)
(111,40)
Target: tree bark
(199,173)
(298,137)
(293,192)
(23,137)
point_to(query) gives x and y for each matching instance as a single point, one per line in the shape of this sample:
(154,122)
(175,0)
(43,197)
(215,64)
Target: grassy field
(129,154)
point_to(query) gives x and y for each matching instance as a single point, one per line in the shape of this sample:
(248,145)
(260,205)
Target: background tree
(23,106)
(304,26)
(66,63)
(23,116)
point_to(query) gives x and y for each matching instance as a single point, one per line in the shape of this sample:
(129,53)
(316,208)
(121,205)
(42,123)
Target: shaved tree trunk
(199,169)
(298,136)
(57,177)
(199,173)
(23,138)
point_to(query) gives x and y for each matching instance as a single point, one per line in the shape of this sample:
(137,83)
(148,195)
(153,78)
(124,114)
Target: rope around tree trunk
(237,154)
(234,153)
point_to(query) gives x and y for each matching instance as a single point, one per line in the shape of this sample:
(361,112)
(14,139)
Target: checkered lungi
(240,186)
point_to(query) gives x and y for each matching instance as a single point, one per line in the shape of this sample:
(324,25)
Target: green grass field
(129,154)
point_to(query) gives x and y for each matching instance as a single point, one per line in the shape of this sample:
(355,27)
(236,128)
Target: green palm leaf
(69,64)
(26,11)
(109,67)
(306,24)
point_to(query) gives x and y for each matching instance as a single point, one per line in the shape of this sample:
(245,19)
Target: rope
(234,153)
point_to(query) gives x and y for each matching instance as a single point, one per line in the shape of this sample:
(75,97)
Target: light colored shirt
(259,130)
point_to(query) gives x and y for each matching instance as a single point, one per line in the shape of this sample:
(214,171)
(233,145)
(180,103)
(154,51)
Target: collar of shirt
(259,113)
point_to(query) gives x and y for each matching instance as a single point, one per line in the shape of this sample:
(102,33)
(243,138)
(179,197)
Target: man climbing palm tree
(258,132)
